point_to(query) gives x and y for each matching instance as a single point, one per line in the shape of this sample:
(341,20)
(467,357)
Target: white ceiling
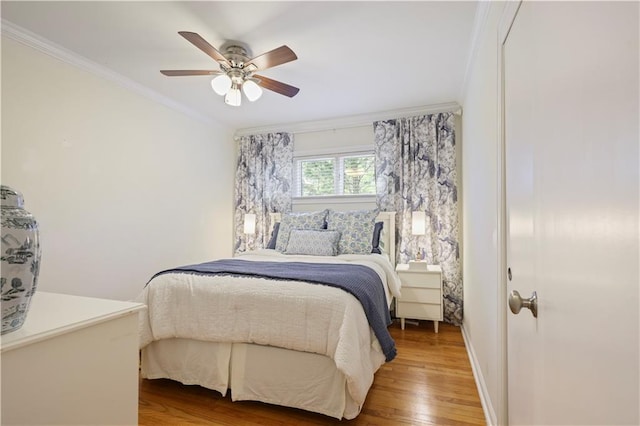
(353,57)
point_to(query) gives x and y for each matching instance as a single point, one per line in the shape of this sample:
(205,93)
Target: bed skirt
(253,372)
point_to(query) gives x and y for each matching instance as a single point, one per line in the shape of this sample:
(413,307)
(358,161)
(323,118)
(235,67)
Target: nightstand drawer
(421,295)
(418,311)
(412,279)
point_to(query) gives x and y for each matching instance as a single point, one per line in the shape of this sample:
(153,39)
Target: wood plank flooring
(429,383)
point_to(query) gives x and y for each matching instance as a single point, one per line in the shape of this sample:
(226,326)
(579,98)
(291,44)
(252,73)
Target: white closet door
(570,75)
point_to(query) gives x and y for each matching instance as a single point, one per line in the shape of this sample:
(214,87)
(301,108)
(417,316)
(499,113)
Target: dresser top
(52,314)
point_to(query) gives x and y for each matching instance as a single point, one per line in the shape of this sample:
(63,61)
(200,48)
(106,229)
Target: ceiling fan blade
(276,86)
(274,57)
(179,73)
(203,45)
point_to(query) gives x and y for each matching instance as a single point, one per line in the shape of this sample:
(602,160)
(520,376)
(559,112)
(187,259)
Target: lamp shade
(221,84)
(249,223)
(251,90)
(418,223)
(233,96)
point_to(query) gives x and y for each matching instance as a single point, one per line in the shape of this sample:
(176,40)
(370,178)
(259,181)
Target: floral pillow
(302,220)
(315,243)
(355,227)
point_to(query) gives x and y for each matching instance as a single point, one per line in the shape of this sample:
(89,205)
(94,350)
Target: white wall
(122,186)
(335,140)
(480,211)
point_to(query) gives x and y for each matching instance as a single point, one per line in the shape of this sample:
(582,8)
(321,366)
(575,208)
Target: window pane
(359,175)
(317,177)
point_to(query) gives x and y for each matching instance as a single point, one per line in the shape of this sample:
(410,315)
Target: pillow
(315,243)
(355,227)
(306,220)
(375,242)
(274,236)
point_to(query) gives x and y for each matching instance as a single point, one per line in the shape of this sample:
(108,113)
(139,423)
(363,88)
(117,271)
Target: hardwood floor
(429,383)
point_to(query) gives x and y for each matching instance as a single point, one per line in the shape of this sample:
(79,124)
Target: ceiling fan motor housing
(238,55)
(236,52)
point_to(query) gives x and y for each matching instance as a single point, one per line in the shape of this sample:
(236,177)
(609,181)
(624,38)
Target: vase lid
(10,197)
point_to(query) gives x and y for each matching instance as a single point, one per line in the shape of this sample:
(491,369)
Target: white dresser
(421,294)
(74,361)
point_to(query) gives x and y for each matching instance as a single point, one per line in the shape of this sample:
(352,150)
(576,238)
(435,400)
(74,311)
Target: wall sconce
(418,223)
(249,223)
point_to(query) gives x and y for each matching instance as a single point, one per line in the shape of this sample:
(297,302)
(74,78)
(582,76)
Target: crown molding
(479,27)
(30,39)
(351,121)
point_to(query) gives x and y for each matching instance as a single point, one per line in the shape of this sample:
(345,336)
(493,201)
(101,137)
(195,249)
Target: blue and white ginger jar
(20,257)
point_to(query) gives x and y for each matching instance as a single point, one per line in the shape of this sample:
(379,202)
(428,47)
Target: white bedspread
(288,314)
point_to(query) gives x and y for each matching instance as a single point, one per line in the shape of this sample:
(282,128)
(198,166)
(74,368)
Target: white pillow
(315,243)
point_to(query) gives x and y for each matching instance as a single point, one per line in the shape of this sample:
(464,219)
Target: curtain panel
(416,171)
(263,184)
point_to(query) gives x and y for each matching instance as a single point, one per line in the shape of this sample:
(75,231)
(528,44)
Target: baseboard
(485,400)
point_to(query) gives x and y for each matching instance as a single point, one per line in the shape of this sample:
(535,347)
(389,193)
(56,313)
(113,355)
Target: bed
(281,341)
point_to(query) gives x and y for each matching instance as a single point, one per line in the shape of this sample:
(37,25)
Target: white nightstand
(421,294)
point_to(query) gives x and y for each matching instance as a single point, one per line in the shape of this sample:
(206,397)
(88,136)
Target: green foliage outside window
(317,177)
(358,175)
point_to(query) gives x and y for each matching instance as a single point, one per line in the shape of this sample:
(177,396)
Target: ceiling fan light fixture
(221,84)
(233,96)
(251,90)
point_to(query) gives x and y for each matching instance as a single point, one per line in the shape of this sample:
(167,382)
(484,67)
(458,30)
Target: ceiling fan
(237,69)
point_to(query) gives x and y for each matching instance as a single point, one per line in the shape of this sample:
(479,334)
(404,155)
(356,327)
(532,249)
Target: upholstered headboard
(387,237)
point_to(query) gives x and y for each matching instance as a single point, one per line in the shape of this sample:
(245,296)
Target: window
(345,174)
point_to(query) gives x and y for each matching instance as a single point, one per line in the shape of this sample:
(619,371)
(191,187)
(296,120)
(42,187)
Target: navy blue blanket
(362,282)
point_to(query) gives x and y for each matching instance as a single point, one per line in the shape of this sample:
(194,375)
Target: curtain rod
(350,121)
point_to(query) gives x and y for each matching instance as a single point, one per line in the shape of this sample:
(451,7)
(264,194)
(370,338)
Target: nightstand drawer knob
(516,303)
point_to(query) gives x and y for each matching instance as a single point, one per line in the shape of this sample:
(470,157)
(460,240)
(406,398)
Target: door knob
(516,302)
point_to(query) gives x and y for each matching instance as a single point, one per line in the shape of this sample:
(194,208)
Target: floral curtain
(416,171)
(263,184)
